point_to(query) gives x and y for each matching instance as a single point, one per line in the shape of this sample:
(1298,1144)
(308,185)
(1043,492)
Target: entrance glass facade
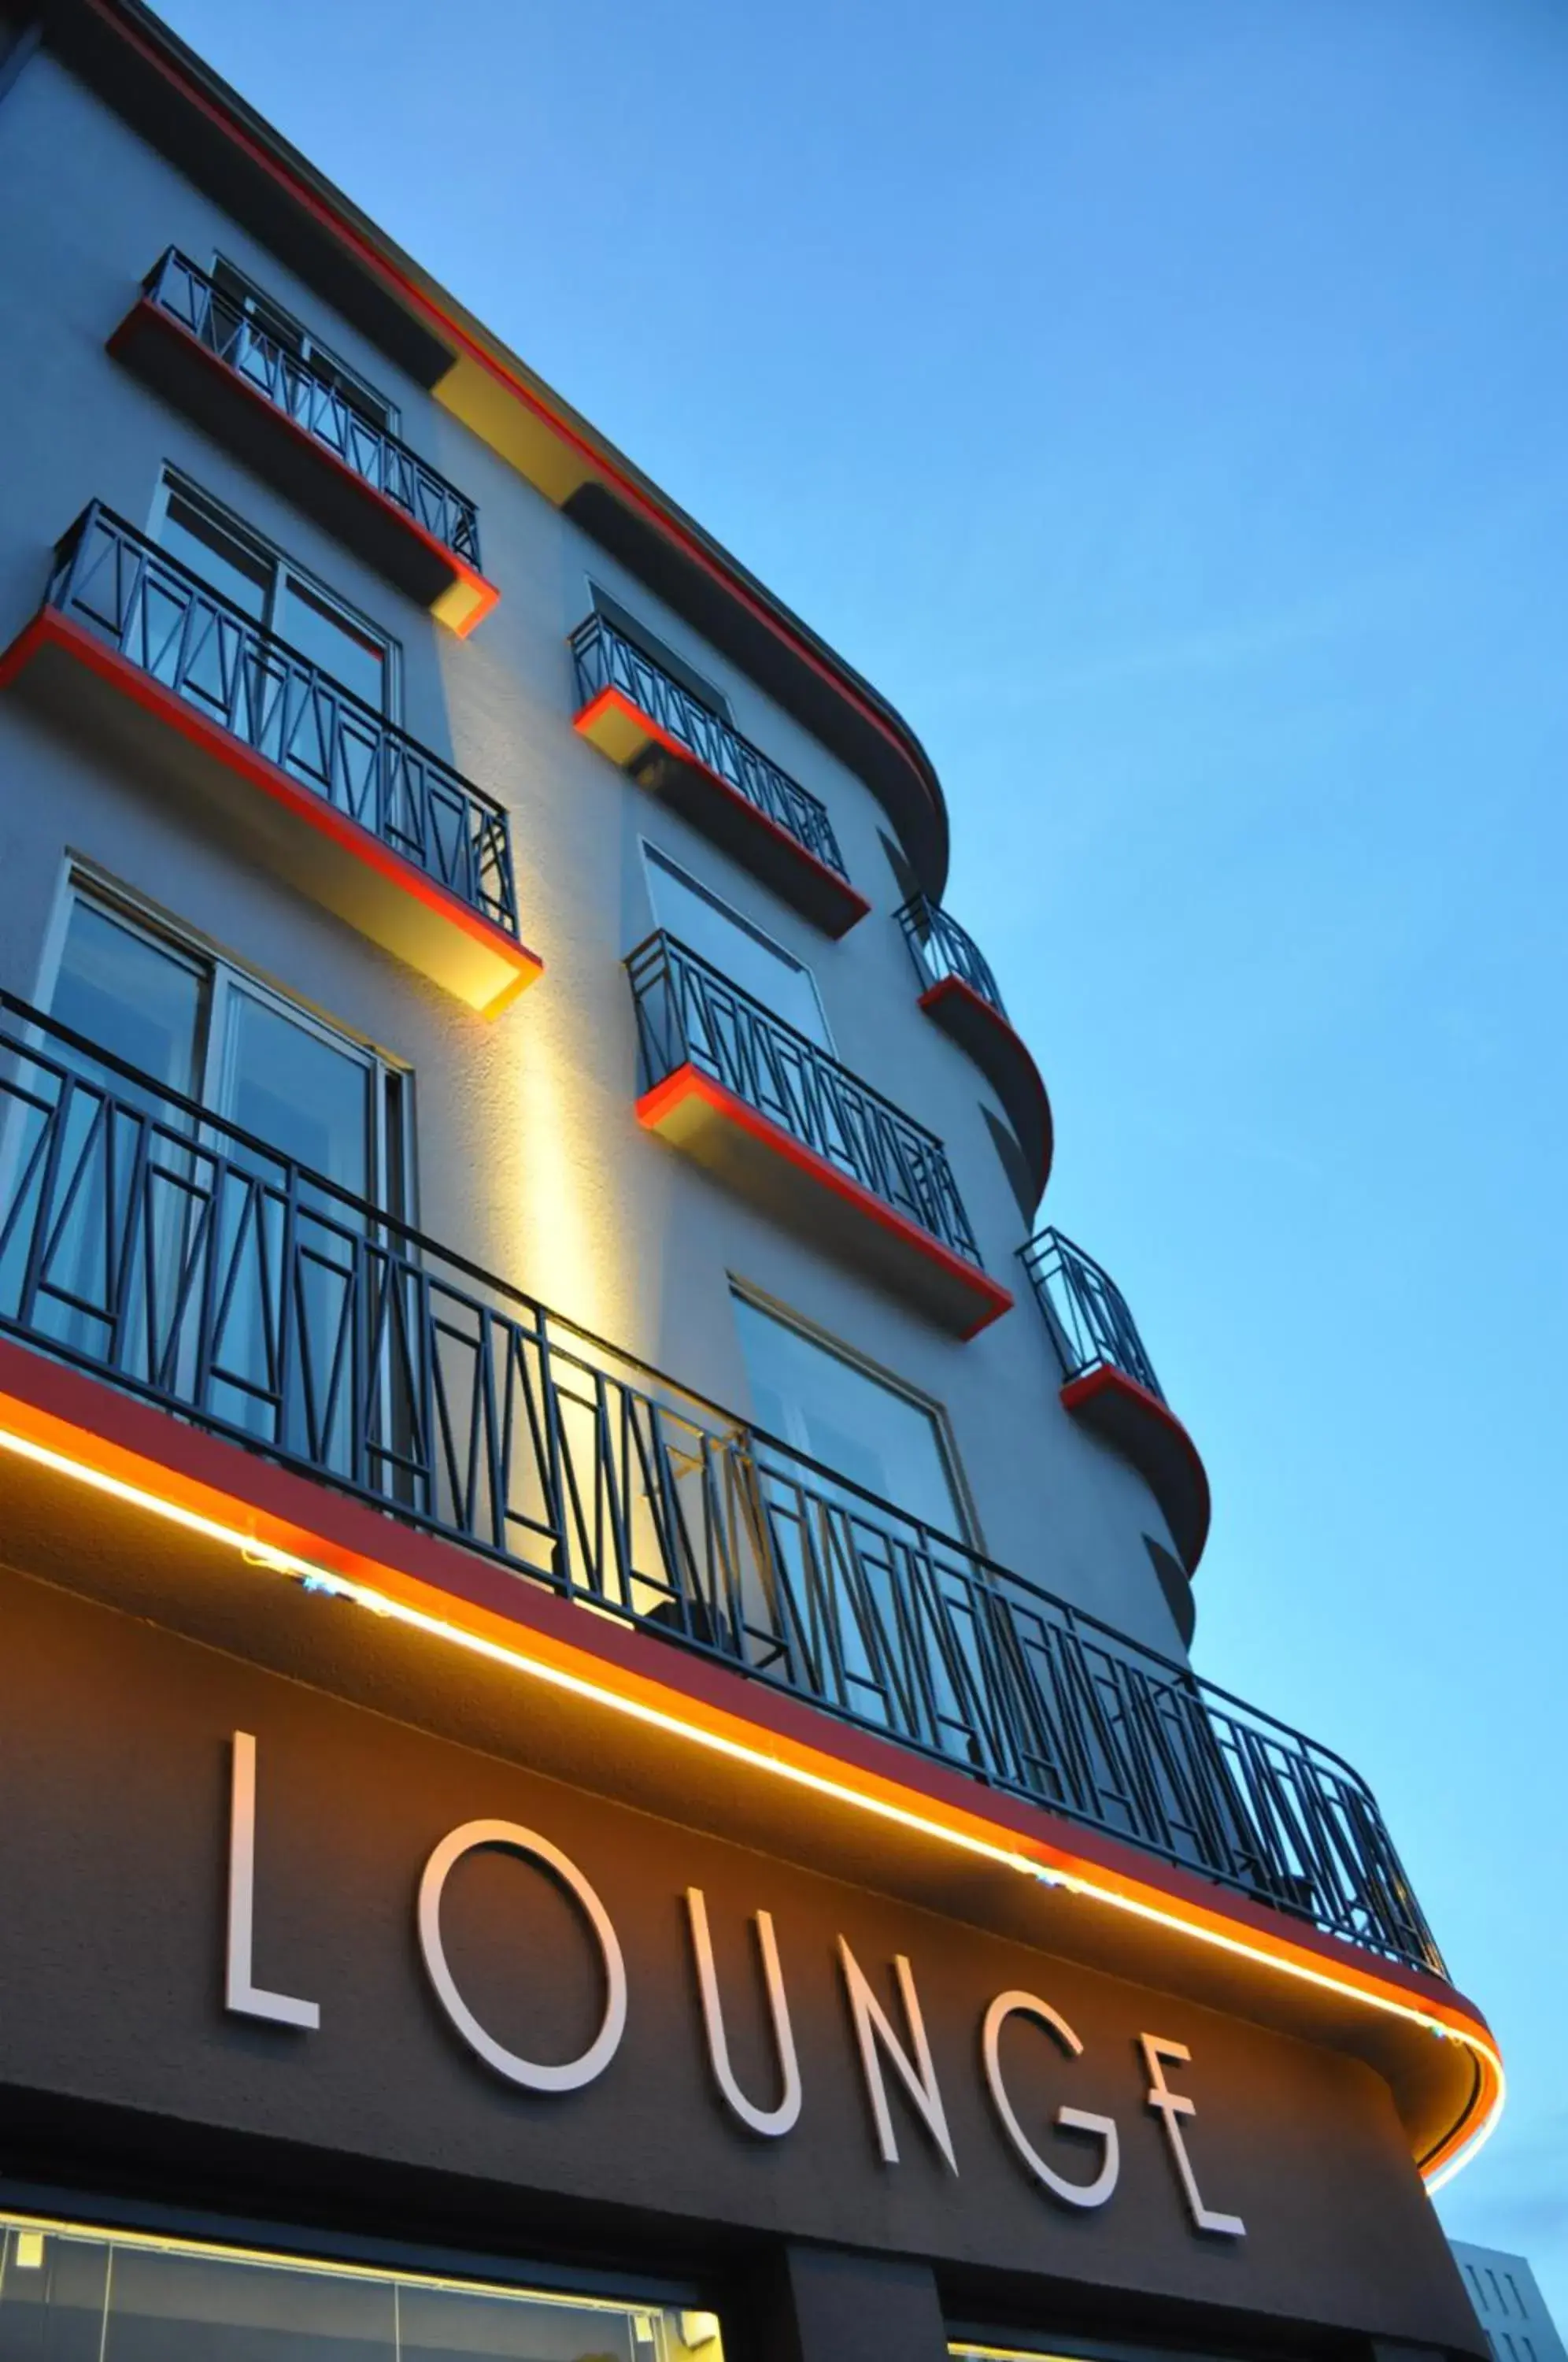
(74,2294)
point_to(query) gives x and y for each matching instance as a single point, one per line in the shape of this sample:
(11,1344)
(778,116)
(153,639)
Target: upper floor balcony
(310,778)
(1111,1387)
(297,1331)
(960,994)
(733,1086)
(653,726)
(205,351)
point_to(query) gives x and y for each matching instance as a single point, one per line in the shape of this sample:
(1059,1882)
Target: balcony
(206,354)
(732,1085)
(313,781)
(676,747)
(296,1331)
(1111,1387)
(960,995)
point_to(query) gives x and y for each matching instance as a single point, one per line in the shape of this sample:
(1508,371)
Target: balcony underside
(791,1182)
(637,743)
(224,402)
(283,823)
(117,1500)
(985,1036)
(1138,1425)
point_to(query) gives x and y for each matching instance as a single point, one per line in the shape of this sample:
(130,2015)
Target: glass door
(297,1258)
(96,1167)
(893,1603)
(244,1273)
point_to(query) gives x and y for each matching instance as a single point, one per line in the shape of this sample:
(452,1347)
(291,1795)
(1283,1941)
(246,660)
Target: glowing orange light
(1093,1883)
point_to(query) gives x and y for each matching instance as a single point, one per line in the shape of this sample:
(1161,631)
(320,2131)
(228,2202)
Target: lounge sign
(1074,2160)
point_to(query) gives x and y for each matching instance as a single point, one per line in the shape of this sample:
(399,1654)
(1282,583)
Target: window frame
(174,483)
(393,1189)
(656,857)
(967,1524)
(658,651)
(275,320)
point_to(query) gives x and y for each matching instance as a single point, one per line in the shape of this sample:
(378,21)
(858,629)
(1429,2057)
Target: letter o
(576,2072)
(1071,2193)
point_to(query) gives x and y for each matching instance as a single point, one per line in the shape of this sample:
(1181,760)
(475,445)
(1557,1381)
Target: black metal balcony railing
(177,287)
(1087,1312)
(604,659)
(149,1242)
(194,643)
(942,949)
(688,1013)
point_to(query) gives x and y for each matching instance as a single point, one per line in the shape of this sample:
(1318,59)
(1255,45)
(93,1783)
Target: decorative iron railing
(150,1242)
(691,1014)
(606,659)
(941,948)
(1087,1312)
(172,626)
(177,287)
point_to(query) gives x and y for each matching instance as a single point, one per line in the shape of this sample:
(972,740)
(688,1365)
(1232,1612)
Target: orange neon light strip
(1045,1863)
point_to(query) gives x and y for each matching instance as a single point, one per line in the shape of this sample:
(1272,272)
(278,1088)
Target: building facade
(598,1744)
(1509,2305)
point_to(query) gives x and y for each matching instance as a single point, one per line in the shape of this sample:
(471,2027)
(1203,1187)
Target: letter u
(770,2122)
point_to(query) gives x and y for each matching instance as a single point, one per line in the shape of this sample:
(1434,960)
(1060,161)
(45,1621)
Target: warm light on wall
(1088,1881)
(558,1224)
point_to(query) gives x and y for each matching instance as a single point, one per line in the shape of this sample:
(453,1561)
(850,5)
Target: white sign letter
(768,2121)
(603,2048)
(917,2076)
(241,1993)
(1173,2107)
(1072,2120)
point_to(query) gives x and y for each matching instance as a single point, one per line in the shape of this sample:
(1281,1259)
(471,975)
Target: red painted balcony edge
(610,466)
(834,888)
(949,988)
(49,628)
(688,1082)
(1189,1521)
(93,1425)
(145,312)
(350,1533)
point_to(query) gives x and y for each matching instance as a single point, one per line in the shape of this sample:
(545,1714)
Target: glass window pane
(450,2326)
(172,2307)
(129,996)
(52,2298)
(220,557)
(299,1093)
(324,634)
(723,938)
(841,1414)
(79,2299)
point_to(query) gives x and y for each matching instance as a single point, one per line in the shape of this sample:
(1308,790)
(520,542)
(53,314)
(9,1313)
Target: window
(866,1429)
(274,592)
(740,951)
(198,1026)
(281,327)
(858,1424)
(128,2296)
(658,652)
(284,1308)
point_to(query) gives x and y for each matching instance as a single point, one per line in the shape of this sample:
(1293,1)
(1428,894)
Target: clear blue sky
(1167,405)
